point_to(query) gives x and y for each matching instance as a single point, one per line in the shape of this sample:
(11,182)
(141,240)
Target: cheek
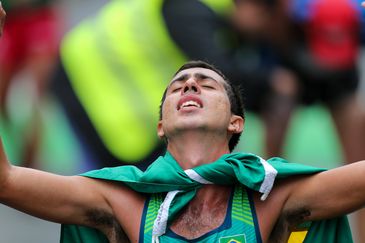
(167,108)
(223,104)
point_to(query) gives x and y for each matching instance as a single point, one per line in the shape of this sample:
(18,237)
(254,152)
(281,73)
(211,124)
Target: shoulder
(275,217)
(114,191)
(124,212)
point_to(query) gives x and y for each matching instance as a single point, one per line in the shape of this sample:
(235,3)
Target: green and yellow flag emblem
(233,239)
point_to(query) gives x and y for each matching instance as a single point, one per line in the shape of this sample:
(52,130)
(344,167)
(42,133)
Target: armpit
(287,223)
(108,224)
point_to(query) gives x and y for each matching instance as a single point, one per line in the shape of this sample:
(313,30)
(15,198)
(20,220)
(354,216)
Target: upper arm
(328,194)
(62,199)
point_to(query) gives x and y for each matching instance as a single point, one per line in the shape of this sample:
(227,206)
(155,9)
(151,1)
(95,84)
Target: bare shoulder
(112,189)
(276,219)
(318,194)
(310,197)
(124,211)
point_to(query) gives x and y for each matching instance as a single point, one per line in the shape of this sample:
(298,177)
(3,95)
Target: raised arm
(52,197)
(328,194)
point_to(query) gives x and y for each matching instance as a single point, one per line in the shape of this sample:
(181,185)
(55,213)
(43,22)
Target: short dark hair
(233,92)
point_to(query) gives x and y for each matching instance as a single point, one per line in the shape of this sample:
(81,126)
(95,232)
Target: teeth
(190,103)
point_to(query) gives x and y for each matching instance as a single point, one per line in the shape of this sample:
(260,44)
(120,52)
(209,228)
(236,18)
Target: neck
(193,149)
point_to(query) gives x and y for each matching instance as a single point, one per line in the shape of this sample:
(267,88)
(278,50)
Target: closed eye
(208,86)
(176,89)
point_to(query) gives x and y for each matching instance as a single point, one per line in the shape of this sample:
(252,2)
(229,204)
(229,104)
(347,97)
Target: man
(201,120)
(250,36)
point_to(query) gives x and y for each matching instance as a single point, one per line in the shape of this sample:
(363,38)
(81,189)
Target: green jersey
(239,225)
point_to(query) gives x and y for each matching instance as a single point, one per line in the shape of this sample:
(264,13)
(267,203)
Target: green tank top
(240,223)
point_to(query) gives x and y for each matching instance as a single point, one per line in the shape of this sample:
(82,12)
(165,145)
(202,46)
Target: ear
(160,131)
(236,124)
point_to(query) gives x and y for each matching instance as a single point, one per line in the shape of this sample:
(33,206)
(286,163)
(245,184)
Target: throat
(194,152)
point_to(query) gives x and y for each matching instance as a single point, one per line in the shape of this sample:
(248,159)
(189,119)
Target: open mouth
(189,104)
(189,101)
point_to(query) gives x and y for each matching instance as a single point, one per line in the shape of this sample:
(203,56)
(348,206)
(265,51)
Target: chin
(188,126)
(190,122)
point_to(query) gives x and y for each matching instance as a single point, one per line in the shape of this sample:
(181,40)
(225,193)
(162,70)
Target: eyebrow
(196,75)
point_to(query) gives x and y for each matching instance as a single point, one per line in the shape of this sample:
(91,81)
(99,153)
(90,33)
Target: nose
(190,86)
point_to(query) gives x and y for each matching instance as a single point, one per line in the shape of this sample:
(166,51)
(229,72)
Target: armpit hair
(286,223)
(108,224)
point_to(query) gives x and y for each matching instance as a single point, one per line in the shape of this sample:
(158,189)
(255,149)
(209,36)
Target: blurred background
(81,81)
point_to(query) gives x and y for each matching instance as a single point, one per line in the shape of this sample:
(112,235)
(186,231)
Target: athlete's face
(195,99)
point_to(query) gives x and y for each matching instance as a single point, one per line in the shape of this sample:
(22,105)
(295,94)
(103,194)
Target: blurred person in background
(28,51)
(128,42)
(323,51)
(321,46)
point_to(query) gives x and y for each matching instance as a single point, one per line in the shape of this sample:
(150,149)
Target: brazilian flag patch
(233,239)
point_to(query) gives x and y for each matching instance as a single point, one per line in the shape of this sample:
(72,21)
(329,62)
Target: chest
(197,223)
(199,219)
